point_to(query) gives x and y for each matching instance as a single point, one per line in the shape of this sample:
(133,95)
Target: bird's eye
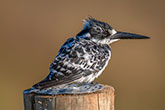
(98,29)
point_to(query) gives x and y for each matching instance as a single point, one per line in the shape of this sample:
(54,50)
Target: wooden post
(101,100)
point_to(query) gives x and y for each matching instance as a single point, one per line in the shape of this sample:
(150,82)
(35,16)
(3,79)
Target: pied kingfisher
(83,58)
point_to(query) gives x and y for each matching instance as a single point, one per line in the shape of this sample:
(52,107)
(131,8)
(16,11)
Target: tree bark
(101,100)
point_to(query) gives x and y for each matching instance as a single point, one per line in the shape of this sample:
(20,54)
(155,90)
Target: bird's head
(102,32)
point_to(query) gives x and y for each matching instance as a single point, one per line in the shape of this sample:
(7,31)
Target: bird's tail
(40,85)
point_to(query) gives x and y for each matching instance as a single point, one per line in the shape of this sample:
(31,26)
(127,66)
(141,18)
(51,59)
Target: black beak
(125,35)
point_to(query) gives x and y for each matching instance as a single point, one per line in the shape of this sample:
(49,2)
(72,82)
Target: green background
(32,31)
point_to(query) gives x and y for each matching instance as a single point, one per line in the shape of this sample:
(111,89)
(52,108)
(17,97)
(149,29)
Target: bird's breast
(96,56)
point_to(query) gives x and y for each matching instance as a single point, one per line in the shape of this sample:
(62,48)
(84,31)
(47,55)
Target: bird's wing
(70,64)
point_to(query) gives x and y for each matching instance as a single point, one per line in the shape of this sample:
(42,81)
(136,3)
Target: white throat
(104,41)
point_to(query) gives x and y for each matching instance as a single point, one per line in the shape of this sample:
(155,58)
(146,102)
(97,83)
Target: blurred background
(32,31)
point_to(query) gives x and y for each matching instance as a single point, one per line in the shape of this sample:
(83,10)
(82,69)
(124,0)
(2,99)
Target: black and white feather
(83,58)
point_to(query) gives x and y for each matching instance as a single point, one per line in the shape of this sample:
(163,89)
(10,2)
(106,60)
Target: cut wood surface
(101,100)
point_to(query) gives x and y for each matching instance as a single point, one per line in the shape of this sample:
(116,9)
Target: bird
(84,57)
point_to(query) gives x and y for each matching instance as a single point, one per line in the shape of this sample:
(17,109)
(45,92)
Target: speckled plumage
(83,58)
(80,59)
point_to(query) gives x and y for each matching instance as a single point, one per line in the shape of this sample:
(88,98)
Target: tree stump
(101,100)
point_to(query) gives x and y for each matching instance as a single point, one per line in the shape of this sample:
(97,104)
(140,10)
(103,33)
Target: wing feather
(67,66)
(73,62)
